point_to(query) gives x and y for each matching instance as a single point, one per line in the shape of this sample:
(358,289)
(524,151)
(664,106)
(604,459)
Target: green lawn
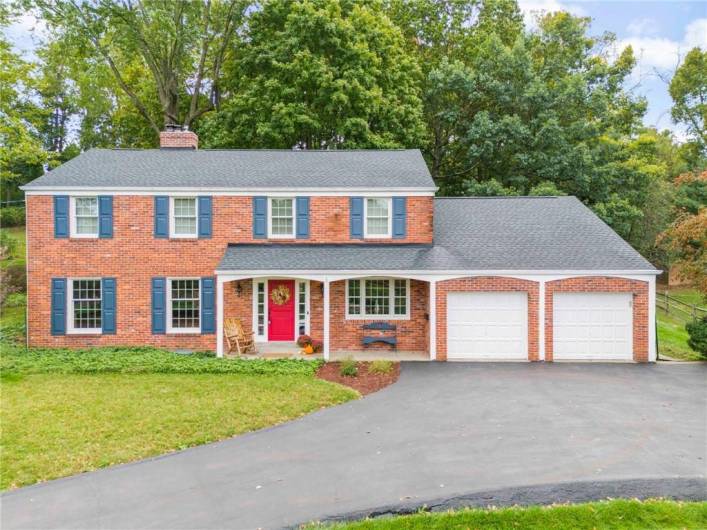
(55,425)
(684,294)
(18,234)
(672,338)
(608,515)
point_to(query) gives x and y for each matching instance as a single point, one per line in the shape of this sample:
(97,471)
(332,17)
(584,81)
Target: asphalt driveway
(444,430)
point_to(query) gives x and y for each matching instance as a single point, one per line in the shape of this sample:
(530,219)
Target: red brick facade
(487,283)
(609,285)
(134,256)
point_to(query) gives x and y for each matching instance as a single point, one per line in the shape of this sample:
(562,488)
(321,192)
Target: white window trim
(306,308)
(264,336)
(180,331)
(172,223)
(70,329)
(391,298)
(294,219)
(389,234)
(72,218)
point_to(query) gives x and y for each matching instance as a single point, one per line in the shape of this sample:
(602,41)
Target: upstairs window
(378,298)
(377,218)
(84,217)
(282,217)
(85,311)
(183,217)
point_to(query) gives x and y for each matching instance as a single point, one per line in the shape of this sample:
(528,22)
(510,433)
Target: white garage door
(592,326)
(487,326)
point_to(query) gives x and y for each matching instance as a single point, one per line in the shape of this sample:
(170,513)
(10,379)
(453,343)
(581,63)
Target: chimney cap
(173,127)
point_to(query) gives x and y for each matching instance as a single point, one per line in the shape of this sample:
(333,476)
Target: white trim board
(238,192)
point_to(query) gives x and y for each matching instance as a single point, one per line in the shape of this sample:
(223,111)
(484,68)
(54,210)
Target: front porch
(335,311)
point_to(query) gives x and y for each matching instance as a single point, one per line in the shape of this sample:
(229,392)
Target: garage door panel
(487,325)
(592,326)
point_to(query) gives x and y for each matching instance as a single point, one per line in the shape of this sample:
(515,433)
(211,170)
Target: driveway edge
(682,489)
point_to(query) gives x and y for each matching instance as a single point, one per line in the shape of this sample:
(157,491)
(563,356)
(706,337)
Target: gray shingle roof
(283,169)
(514,233)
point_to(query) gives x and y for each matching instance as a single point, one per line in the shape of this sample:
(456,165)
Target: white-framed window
(84,216)
(84,311)
(378,217)
(378,298)
(302,308)
(260,310)
(182,219)
(281,217)
(183,305)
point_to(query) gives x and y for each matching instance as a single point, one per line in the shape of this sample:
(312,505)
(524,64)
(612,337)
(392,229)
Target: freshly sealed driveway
(445,429)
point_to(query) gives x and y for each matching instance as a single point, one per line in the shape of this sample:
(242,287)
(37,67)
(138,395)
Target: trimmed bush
(12,216)
(698,335)
(15,300)
(13,279)
(8,245)
(348,368)
(142,360)
(380,367)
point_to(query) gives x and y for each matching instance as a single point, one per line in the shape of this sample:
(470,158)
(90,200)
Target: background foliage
(497,107)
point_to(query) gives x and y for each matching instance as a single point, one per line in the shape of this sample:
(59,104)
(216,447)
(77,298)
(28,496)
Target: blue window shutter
(260,217)
(161,216)
(208,305)
(159,306)
(205,217)
(105,216)
(399,217)
(108,305)
(61,216)
(303,217)
(356,217)
(58,306)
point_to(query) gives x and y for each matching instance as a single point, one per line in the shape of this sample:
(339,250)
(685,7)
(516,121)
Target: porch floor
(290,350)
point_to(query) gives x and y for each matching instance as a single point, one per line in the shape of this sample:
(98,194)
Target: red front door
(281,310)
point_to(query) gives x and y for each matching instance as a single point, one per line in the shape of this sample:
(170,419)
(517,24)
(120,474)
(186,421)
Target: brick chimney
(174,137)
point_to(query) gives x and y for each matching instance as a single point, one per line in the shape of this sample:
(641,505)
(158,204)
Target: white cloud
(24,32)
(642,27)
(662,53)
(531,8)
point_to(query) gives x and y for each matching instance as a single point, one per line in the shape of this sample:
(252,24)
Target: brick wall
(133,256)
(412,334)
(487,283)
(608,285)
(179,140)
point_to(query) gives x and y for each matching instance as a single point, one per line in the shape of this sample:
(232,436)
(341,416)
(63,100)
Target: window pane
(281,226)
(184,225)
(261,309)
(377,226)
(185,303)
(354,297)
(185,207)
(377,216)
(86,303)
(377,297)
(86,225)
(87,206)
(400,297)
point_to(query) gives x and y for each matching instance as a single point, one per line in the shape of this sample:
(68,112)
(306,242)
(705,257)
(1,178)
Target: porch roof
(320,257)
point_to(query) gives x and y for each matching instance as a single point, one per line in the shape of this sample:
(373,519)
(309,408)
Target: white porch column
(541,320)
(433,319)
(325,350)
(652,346)
(219,316)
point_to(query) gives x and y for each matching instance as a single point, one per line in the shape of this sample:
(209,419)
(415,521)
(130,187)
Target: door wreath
(280,295)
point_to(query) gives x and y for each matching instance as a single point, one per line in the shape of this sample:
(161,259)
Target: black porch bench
(384,339)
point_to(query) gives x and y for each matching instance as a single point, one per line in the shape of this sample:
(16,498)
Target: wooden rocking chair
(238,340)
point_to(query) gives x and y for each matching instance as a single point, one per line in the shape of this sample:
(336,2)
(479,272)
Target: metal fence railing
(679,309)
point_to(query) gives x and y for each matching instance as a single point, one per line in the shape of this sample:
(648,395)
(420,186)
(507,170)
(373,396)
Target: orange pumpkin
(308,349)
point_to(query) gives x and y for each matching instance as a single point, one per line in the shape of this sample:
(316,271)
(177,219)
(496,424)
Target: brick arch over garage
(487,284)
(603,284)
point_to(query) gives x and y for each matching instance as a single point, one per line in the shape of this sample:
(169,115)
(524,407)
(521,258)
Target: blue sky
(661,32)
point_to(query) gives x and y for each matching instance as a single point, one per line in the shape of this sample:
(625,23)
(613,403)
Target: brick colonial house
(159,246)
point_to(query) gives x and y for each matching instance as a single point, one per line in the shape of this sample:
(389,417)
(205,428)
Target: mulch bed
(365,382)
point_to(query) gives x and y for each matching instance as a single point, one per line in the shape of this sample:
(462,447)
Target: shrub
(317,346)
(12,216)
(380,367)
(8,245)
(697,330)
(15,300)
(303,340)
(13,279)
(349,368)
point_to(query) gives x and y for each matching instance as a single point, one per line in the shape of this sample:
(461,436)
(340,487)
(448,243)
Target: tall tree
(182,43)
(688,89)
(320,74)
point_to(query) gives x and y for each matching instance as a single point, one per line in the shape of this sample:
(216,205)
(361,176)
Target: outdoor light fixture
(239,289)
